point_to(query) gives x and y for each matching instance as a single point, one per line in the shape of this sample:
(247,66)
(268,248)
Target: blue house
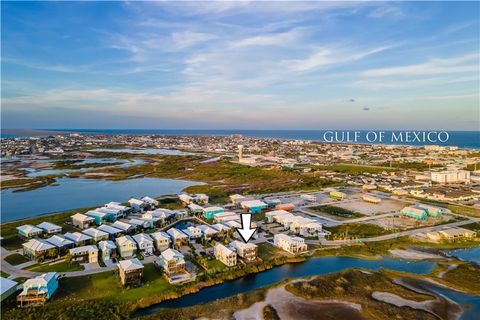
(100,216)
(253,206)
(38,290)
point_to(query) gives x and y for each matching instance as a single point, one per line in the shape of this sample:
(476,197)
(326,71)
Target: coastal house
(272,216)
(82,221)
(290,244)
(125,227)
(210,212)
(272,202)
(172,262)
(49,228)
(137,205)
(161,240)
(38,290)
(131,272)
(98,216)
(61,243)
(457,233)
(38,249)
(150,201)
(193,233)
(96,234)
(200,198)
(78,238)
(207,231)
(141,223)
(178,237)
(144,243)
(112,232)
(195,208)
(253,206)
(236,199)
(225,255)
(85,254)
(108,250)
(127,247)
(185,198)
(122,211)
(247,251)
(29,231)
(226,216)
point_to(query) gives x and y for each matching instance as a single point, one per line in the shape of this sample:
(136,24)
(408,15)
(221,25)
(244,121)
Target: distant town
(349,197)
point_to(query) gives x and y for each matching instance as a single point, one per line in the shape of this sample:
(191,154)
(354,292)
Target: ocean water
(462,139)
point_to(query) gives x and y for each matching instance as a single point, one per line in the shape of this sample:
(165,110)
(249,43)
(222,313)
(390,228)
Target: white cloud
(433,66)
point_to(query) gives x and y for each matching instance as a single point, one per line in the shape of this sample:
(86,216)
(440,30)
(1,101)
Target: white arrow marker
(246,231)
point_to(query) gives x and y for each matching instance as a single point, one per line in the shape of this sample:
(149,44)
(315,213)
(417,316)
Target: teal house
(101,217)
(416,213)
(253,206)
(272,202)
(211,212)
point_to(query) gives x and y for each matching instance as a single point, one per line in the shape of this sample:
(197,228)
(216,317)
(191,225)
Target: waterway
(72,193)
(167,152)
(317,266)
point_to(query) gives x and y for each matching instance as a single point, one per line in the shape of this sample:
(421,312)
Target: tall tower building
(240,152)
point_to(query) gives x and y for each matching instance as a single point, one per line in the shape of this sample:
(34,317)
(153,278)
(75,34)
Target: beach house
(84,254)
(225,255)
(178,237)
(290,244)
(82,221)
(161,240)
(29,231)
(108,250)
(38,290)
(127,247)
(96,234)
(144,244)
(49,228)
(131,272)
(38,249)
(247,251)
(78,238)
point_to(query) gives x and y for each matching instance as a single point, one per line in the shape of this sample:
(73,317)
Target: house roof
(39,281)
(95,233)
(171,254)
(6,284)
(48,226)
(121,225)
(159,235)
(130,265)
(28,228)
(38,245)
(106,244)
(109,229)
(125,240)
(77,236)
(81,217)
(142,237)
(83,249)
(59,241)
(135,201)
(175,233)
(253,203)
(207,229)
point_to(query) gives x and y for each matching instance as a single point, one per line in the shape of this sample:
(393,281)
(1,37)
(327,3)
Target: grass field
(354,168)
(356,230)
(63,266)
(16,259)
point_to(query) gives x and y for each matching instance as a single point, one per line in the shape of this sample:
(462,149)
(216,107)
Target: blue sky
(241,65)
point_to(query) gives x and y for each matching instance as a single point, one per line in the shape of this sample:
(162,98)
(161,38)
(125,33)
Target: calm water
(69,194)
(472,255)
(463,139)
(167,152)
(316,266)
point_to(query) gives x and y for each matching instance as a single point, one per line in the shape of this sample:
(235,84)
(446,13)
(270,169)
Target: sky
(240,65)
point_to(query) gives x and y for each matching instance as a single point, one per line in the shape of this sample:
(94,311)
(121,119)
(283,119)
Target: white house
(137,205)
(185,198)
(150,201)
(225,255)
(108,249)
(123,210)
(290,244)
(49,228)
(139,223)
(172,262)
(207,231)
(127,247)
(161,240)
(85,254)
(144,243)
(178,237)
(37,248)
(247,251)
(82,221)
(192,233)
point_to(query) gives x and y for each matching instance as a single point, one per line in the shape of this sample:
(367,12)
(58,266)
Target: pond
(470,254)
(73,193)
